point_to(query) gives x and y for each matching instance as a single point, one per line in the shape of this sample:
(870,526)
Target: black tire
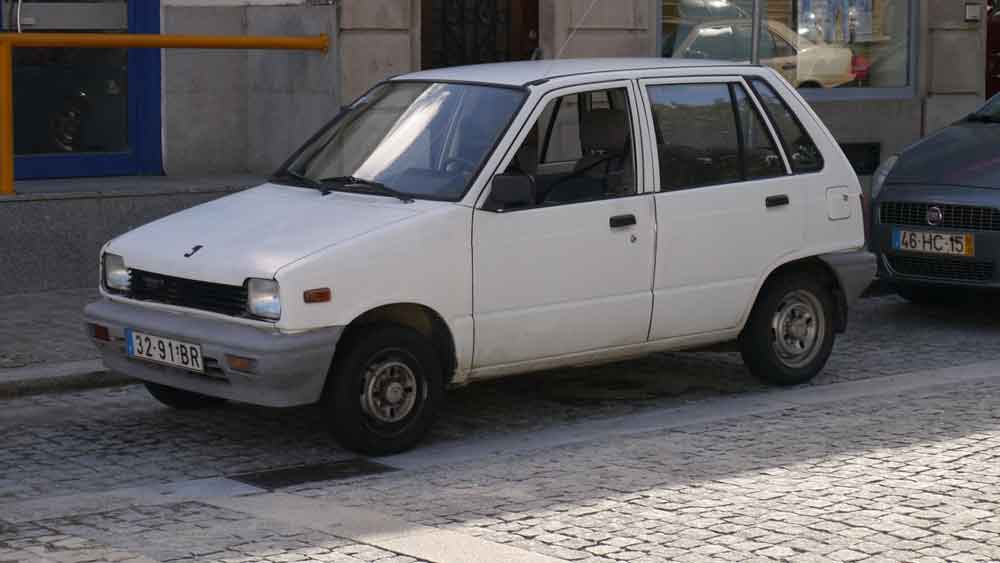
(181,399)
(789,301)
(375,374)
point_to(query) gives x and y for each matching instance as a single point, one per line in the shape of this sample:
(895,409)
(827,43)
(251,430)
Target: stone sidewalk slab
(379,530)
(44,327)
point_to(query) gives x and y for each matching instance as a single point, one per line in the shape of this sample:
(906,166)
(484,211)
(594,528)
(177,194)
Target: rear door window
(709,134)
(697,141)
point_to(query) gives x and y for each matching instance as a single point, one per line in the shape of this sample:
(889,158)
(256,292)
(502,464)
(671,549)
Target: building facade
(881,73)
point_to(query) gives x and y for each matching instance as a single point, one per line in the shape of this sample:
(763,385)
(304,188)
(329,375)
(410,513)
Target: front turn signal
(318,295)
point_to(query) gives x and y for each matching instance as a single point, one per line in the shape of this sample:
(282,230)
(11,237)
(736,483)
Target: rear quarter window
(802,153)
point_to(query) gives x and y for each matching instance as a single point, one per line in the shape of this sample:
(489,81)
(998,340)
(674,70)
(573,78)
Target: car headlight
(116,276)
(878,180)
(263,299)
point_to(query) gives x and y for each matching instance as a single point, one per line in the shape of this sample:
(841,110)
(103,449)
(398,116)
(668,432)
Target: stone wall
(245,111)
(954,55)
(624,28)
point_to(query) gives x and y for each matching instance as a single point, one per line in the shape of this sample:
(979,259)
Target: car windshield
(417,139)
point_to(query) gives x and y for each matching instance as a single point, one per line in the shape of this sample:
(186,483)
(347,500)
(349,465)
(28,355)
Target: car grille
(942,268)
(193,294)
(955,216)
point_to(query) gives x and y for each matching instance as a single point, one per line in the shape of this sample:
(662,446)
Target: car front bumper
(923,269)
(288,370)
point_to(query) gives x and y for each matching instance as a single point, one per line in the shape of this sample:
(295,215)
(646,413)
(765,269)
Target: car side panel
(425,261)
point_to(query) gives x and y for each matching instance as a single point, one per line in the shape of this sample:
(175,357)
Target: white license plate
(952,244)
(166,351)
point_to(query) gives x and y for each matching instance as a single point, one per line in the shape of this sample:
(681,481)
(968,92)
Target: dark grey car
(936,225)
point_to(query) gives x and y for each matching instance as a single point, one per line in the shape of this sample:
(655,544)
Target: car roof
(524,72)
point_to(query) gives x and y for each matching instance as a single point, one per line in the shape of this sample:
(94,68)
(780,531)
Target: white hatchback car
(468,223)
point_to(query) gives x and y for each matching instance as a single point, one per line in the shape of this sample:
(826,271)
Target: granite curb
(58,377)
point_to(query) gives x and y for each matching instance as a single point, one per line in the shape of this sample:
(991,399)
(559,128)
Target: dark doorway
(461,32)
(993,48)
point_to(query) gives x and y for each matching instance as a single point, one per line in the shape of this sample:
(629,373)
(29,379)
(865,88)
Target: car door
(571,271)
(726,207)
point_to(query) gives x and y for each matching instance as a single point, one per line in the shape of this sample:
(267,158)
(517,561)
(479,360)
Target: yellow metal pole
(137,40)
(6,119)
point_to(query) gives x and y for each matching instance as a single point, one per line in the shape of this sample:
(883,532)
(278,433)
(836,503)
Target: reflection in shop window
(812,43)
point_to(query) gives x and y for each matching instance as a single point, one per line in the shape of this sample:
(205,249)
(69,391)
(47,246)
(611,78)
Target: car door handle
(619,221)
(776,201)
(788,66)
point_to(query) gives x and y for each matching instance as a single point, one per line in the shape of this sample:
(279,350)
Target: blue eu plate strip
(128,341)
(897,239)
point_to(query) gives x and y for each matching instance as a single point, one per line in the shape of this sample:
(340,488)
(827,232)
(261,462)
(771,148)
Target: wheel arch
(816,266)
(420,318)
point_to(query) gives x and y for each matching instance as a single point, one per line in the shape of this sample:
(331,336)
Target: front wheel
(790,334)
(181,399)
(384,390)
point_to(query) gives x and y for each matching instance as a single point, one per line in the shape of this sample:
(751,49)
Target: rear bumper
(855,271)
(289,369)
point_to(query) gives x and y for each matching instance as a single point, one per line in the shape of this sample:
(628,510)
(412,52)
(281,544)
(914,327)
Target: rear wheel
(181,399)
(384,390)
(790,334)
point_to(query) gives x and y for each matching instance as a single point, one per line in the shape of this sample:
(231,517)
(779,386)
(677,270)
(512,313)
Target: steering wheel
(465,165)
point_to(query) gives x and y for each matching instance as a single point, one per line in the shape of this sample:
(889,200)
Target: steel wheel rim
(798,328)
(389,391)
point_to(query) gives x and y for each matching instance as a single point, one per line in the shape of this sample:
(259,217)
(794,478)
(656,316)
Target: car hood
(964,154)
(256,232)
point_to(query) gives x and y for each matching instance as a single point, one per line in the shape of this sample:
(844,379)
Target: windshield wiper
(302,179)
(352,183)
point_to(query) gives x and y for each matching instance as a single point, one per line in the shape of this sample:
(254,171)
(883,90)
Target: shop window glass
(812,43)
(69,100)
(696,135)
(705,29)
(838,43)
(802,152)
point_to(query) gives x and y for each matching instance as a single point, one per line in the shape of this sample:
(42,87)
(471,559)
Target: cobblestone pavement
(101,439)
(186,532)
(911,478)
(44,327)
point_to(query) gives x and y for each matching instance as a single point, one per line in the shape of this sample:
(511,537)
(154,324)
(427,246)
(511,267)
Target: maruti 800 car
(462,224)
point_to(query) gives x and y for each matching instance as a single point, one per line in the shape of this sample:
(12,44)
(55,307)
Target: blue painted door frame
(143,156)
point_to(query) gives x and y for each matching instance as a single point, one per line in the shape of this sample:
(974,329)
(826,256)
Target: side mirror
(512,190)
